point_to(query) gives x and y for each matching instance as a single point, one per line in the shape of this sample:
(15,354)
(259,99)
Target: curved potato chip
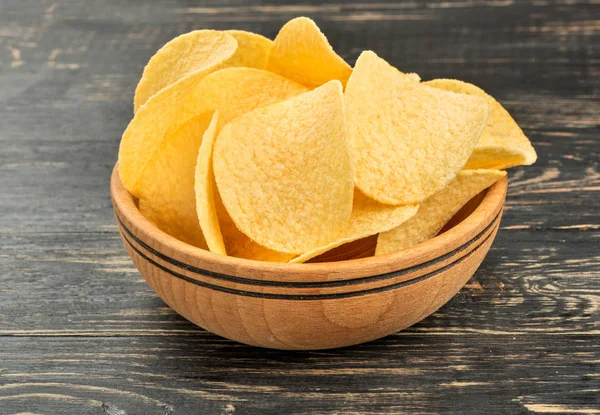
(205,191)
(502,143)
(220,232)
(162,113)
(188,54)
(284,171)
(193,52)
(495,158)
(239,245)
(407,140)
(236,91)
(368,218)
(167,193)
(253,50)
(436,211)
(302,53)
(221,235)
(167,185)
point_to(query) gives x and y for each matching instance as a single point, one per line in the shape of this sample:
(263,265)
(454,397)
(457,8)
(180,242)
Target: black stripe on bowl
(324,284)
(304,297)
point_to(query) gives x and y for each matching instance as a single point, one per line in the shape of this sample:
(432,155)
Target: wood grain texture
(82,333)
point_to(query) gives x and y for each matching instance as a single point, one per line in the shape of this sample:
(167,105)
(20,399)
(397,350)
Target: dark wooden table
(82,333)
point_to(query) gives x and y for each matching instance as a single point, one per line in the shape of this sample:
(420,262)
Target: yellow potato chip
(407,140)
(195,53)
(147,130)
(198,53)
(221,235)
(167,193)
(213,217)
(495,158)
(239,245)
(502,143)
(436,211)
(205,191)
(284,171)
(302,53)
(368,218)
(234,91)
(162,112)
(167,190)
(252,52)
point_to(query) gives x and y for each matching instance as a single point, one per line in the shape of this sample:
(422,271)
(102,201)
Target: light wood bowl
(316,305)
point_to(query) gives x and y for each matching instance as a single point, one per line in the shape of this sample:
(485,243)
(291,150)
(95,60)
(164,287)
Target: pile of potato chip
(280,151)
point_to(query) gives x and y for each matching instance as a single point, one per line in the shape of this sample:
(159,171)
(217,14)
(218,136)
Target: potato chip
(212,213)
(502,144)
(239,245)
(167,193)
(195,53)
(161,111)
(167,190)
(302,53)
(221,235)
(205,191)
(252,52)
(407,140)
(284,171)
(147,130)
(436,211)
(236,91)
(368,218)
(495,158)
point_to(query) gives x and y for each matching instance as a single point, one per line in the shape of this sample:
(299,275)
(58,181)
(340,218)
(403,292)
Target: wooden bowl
(309,306)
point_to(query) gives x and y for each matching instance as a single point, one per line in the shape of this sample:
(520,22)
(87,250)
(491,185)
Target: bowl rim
(486,213)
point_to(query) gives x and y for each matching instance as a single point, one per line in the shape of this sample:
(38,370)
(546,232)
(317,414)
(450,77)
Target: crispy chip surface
(436,211)
(167,187)
(204,186)
(502,144)
(284,171)
(219,231)
(368,218)
(495,158)
(167,194)
(407,140)
(162,113)
(302,53)
(236,91)
(195,53)
(233,91)
(239,245)
(252,52)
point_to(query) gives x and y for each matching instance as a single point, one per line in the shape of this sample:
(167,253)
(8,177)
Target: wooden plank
(405,373)
(81,332)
